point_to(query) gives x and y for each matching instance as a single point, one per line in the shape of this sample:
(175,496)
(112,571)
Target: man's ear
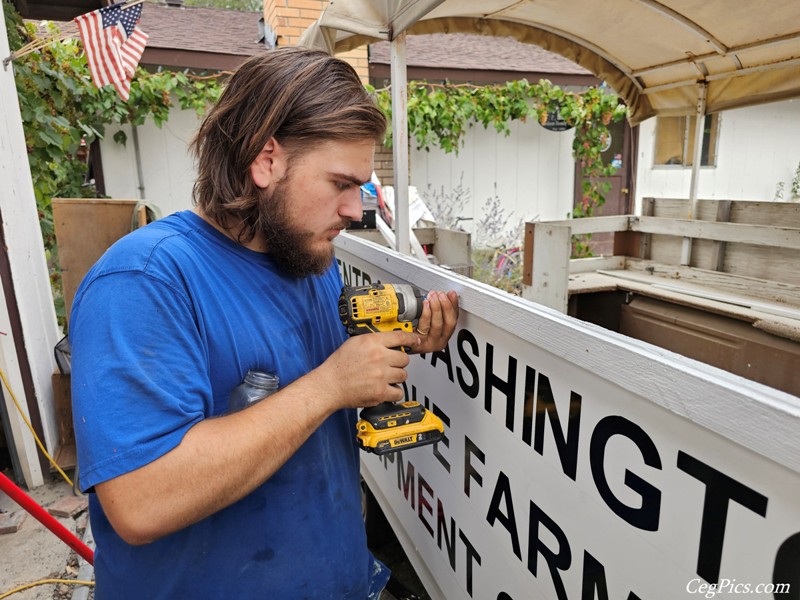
(269,167)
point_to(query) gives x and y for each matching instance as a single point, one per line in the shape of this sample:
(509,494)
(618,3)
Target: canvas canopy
(662,58)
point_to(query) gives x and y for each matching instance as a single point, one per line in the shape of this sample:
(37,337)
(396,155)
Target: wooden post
(723,216)
(552,246)
(646,241)
(527,255)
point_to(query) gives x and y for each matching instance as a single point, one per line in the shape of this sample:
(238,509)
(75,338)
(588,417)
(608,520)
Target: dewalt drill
(388,427)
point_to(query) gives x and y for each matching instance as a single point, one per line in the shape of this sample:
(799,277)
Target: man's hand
(437,322)
(364,370)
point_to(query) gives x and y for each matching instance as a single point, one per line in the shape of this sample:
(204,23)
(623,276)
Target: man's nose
(352,208)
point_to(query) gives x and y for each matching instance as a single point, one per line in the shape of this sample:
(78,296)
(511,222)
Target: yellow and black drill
(388,427)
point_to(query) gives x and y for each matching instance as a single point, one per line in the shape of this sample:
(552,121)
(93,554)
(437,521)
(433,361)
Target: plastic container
(256,386)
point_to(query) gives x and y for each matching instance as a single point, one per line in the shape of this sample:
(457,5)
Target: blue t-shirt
(162,328)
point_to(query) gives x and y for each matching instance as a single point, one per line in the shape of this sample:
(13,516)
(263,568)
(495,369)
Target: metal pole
(138,154)
(699,126)
(400,142)
(40,514)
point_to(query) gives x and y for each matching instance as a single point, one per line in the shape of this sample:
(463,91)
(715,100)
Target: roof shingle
(198,29)
(476,52)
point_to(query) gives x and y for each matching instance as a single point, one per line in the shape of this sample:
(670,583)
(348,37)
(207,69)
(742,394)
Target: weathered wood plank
(779,264)
(762,289)
(646,241)
(592,224)
(595,263)
(760,235)
(551,251)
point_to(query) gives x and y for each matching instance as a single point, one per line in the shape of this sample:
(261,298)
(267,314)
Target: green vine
(63,113)
(439,115)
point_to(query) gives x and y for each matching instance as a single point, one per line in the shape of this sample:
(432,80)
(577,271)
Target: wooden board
(742,259)
(85,228)
(65,456)
(771,290)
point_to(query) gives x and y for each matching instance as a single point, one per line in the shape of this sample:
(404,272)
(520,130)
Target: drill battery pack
(378,428)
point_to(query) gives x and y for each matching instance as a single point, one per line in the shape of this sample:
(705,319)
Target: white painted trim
(29,272)
(752,415)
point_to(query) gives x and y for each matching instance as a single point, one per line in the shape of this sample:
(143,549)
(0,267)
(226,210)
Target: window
(675,140)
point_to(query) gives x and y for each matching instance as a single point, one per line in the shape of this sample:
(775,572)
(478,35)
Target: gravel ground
(30,552)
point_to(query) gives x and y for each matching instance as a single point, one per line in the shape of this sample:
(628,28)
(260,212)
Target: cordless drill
(388,427)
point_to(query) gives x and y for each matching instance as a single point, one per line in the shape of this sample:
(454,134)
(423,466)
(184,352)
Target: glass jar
(256,386)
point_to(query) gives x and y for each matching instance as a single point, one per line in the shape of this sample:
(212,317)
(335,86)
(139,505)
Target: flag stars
(113,44)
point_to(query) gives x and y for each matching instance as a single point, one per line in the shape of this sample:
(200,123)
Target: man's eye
(343,185)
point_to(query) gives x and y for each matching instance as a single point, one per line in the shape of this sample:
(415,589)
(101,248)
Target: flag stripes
(113,44)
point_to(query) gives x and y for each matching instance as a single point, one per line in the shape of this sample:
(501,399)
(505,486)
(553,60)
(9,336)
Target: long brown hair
(296,95)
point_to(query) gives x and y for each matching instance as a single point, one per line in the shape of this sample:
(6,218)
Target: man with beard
(193,501)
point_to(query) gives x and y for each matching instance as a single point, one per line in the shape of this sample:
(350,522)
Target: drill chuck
(409,301)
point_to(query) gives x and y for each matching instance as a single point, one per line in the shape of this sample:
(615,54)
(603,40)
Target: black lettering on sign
(527,407)
(469,472)
(424,505)
(386,459)
(442,534)
(444,356)
(720,490)
(405,483)
(506,386)
(504,596)
(426,402)
(786,572)
(557,560)
(502,492)
(647,516)
(353,275)
(472,555)
(567,446)
(445,533)
(465,337)
(445,441)
(594,580)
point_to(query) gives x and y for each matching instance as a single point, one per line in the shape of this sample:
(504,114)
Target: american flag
(113,44)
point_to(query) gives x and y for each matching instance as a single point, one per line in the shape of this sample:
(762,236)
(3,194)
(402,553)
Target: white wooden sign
(581,464)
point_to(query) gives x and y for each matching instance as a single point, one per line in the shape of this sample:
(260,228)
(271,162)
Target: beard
(289,245)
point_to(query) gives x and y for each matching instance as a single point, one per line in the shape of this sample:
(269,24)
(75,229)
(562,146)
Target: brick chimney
(289,18)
